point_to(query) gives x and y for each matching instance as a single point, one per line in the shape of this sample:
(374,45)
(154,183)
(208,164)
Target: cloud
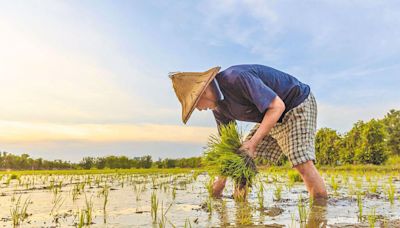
(320,34)
(22,132)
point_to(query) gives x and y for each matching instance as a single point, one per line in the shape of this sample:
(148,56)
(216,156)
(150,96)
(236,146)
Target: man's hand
(274,111)
(250,147)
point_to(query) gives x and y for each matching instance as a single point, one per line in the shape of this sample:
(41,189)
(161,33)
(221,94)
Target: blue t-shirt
(246,91)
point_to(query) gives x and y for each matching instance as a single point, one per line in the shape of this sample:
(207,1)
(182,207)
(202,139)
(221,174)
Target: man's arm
(272,115)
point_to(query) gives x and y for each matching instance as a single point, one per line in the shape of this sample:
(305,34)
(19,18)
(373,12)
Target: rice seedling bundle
(223,152)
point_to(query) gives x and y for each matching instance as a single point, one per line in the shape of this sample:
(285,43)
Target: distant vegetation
(25,162)
(374,142)
(371,142)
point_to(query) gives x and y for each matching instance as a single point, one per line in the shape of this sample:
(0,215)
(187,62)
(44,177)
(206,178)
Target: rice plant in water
(173,193)
(372,218)
(360,206)
(260,195)
(294,176)
(187,224)
(303,210)
(162,222)
(390,190)
(209,204)
(334,184)
(223,152)
(57,203)
(278,192)
(88,210)
(209,185)
(18,211)
(154,206)
(105,192)
(244,214)
(81,216)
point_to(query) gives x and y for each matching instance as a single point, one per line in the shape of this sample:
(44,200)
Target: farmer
(283,108)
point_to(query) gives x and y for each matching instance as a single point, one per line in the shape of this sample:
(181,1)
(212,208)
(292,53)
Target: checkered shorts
(294,137)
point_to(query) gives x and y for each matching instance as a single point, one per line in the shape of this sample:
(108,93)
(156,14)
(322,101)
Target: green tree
(87,162)
(327,145)
(392,124)
(350,144)
(373,148)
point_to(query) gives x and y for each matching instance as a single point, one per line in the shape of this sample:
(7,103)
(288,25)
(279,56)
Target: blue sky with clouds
(90,77)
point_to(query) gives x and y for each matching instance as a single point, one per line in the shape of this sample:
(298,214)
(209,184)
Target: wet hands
(249,147)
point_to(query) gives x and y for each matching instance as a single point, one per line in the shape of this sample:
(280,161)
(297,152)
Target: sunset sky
(89,78)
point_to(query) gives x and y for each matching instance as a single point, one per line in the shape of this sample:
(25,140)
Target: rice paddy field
(181,198)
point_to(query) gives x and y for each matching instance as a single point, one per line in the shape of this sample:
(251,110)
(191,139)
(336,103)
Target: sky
(90,78)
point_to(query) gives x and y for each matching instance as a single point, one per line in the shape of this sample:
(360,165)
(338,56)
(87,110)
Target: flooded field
(123,199)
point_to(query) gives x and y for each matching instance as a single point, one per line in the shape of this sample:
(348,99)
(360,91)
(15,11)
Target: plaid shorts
(294,136)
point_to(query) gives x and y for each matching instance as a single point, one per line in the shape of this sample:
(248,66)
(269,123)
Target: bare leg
(313,181)
(218,186)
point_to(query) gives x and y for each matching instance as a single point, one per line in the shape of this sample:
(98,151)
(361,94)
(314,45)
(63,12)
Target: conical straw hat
(189,86)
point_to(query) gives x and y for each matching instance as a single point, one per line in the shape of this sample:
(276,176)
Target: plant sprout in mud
(141,198)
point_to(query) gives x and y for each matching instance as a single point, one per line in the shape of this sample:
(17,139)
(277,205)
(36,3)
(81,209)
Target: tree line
(25,162)
(370,142)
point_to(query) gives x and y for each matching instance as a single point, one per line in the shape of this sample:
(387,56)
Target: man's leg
(218,186)
(313,181)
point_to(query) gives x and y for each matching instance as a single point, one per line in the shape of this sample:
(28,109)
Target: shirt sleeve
(221,120)
(256,91)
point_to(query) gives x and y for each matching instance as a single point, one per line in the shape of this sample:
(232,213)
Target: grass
(372,218)
(390,191)
(244,214)
(209,185)
(162,222)
(75,192)
(173,193)
(209,204)
(154,206)
(360,206)
(81,216)
(260,195)
(19,211)
(88,210)
(302,209)
(278,192)
(355,180)
(240,193)
(294,176)
(373,187)
(334,184)
(18,173)
(223,152)
(188,224)
(57,203)
(105,192)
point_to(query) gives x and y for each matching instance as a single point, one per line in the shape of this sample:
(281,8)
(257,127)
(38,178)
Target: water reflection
(222,212)
(318,212)
(243,214)
(247,215)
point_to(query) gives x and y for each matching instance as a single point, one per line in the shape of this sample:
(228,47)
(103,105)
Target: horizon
(92,80)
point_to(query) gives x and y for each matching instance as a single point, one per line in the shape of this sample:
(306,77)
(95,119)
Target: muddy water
(129,201)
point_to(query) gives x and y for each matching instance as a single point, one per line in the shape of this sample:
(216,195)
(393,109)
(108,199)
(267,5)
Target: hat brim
(186,116)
